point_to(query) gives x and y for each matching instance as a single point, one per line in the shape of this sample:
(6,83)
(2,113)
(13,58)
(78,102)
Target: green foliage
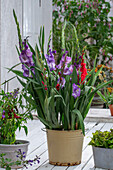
(107,97)
(13,115)
(102,139)
(94,27)
(8,163)
(57,108)
(18,28)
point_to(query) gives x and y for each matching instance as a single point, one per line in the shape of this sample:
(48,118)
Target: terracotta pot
(111,109)
(10,151)
(65,147)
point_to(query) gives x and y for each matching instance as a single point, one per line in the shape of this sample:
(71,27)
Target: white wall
(30,16)
(37,13)
(8,54)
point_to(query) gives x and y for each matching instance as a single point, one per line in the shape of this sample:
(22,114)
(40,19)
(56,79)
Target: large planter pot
(111,109)
(103,158)
(65,147)
(11,150)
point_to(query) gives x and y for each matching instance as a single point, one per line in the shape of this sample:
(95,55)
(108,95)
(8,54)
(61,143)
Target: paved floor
(38,145)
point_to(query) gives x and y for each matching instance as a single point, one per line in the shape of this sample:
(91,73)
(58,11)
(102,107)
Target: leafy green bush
(11,118)
(102,139)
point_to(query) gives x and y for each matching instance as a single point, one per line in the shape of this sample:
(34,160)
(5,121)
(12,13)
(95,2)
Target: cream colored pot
(65,147)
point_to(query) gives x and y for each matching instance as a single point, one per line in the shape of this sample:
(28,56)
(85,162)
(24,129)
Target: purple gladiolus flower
(76,91)
(68,70)
(61,81)
(3,111)
(50,59)
(29,53)
(3,116)
(33,70)
(24,68)
(26,73)
(64,60)
(77,65)
(26,59)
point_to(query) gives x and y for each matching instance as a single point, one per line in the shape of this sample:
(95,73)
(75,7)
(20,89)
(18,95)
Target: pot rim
(101,148)
(18,140)
(64,131)
(110,104)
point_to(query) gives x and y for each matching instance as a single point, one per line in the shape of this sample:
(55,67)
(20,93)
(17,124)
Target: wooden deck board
(38,146)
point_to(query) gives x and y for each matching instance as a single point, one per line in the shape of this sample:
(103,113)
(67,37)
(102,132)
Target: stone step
(99,115)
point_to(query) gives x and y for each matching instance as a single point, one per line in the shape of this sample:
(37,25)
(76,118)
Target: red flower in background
(83,70)
(15,115)
(57,87)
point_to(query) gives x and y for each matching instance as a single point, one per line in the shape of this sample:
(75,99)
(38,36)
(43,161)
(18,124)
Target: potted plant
(108,98)
(61,94)
(6,163)
(102,144)
(12,118)
(104,76)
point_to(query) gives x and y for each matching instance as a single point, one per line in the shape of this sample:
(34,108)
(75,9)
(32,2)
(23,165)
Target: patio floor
(38,144)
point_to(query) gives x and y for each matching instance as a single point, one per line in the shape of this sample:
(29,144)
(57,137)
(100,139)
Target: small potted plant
(104,76)
(102,145)
(107,97)
(12,117)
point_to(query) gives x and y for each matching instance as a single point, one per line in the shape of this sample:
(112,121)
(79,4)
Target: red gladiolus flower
(57,87)
(42,82)
(83,70)
(45,88)
(59,73)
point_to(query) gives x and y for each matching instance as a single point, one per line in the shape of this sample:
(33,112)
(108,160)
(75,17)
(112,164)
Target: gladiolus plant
(61,93)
